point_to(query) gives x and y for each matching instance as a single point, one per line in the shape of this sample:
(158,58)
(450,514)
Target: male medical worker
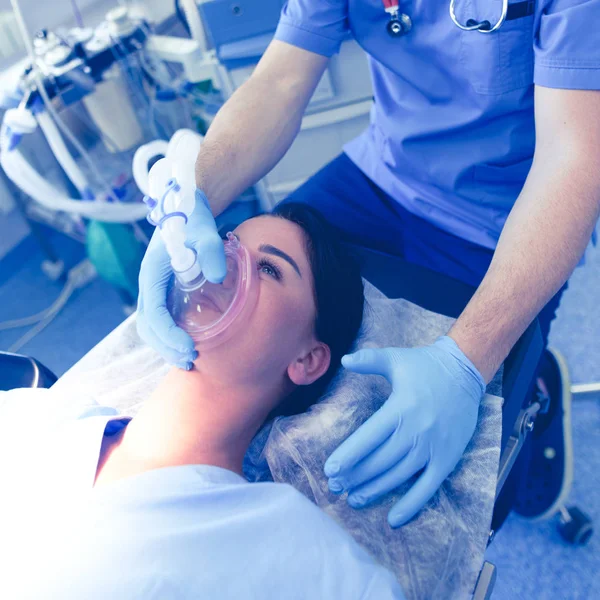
(482,162)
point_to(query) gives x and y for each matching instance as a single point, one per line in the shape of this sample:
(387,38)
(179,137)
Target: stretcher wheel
(575,526)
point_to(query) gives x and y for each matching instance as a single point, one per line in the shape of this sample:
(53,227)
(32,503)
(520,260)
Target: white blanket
(439,553)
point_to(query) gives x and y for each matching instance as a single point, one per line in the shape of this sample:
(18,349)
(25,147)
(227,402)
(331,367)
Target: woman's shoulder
(287,502)
(326,547)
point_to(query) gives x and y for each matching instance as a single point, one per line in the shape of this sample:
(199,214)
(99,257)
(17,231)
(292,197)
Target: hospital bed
(438,293)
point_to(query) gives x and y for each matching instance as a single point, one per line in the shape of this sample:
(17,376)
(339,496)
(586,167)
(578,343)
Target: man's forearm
(542,242)
(256,126)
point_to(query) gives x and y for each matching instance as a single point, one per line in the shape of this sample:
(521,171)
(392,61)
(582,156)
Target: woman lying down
(155,507)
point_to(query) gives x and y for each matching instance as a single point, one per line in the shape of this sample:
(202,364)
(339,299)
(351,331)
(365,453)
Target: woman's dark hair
(339,298)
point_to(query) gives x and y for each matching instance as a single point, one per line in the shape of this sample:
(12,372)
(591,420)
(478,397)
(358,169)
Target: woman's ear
(308,368)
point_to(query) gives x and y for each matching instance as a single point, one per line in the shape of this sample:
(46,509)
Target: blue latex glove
(426,423)
(154,323)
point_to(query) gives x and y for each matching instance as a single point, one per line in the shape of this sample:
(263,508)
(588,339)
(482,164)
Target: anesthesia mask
(211,313)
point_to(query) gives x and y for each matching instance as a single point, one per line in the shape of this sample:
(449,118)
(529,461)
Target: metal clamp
(523,425)
(485,582)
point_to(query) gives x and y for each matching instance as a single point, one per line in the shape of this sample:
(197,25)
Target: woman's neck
(191,419)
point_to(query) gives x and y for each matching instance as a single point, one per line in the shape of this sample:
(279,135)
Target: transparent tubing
(22,174)
(59,149)
(48,103)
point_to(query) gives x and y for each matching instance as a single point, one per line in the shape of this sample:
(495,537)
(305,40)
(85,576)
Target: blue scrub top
(185,532)
(452,127)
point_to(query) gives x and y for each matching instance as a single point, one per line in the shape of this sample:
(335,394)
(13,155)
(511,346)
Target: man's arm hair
(257,125)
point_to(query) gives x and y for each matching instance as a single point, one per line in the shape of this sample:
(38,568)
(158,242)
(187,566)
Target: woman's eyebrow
(268,249)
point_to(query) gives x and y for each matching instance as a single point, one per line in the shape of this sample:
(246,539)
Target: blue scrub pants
(366,216)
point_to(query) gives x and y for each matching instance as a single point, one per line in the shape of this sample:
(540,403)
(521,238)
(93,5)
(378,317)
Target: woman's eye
(268,268)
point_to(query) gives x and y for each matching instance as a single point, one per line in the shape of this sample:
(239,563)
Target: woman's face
(277,341)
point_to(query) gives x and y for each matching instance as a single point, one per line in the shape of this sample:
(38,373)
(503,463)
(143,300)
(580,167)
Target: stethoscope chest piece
(399,25)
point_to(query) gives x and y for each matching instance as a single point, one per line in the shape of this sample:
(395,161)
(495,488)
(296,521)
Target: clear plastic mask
(212,313)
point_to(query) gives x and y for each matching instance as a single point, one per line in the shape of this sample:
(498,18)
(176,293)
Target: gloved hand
(154,323)
(426,423)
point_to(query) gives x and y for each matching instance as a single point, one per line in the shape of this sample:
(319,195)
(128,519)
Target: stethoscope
(400,23)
